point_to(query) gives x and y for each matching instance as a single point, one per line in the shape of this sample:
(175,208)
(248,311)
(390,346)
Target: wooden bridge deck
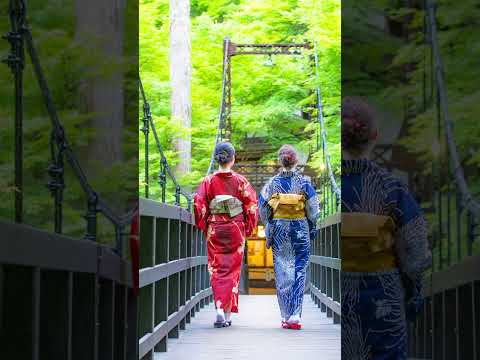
(256,334)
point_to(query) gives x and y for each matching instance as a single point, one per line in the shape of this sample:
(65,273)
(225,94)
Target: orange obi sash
(367,242)
(287,206)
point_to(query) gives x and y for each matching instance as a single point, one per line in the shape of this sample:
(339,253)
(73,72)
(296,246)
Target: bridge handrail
(173,264)
(325,267)
(165,167)
(60,147)
(84,285)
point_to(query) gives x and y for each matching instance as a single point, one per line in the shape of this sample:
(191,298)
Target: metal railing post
(91,218)
(16,61)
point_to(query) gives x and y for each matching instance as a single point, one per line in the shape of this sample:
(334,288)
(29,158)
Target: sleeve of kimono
(200,207)
(265,209)
(412,248)
(411,241)
(250,206)
(312,208)
(266,212)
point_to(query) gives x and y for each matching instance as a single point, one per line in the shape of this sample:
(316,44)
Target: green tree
(266,99)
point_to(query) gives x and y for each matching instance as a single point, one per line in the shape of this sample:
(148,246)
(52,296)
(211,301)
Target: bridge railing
(165,171)
(325,267)
(64,298)
(174,279)
(448,327)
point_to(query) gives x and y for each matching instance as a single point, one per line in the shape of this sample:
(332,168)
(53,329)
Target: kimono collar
(356,166)
(223,173)
(287,173)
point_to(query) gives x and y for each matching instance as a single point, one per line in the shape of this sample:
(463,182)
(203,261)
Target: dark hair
(224,153)
(287,156)
(359,125)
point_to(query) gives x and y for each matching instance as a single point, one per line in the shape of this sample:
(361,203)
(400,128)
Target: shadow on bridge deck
(256,334)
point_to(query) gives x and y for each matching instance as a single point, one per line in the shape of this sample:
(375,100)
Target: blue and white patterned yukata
(376,306)
(290,239)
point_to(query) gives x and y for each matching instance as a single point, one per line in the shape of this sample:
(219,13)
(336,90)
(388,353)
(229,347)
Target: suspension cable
(163,158)
(333,181)
(222,108)
(60,142)
(455,165)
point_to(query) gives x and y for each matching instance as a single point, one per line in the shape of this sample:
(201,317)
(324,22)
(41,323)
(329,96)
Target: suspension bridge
(175,302)
(98,314)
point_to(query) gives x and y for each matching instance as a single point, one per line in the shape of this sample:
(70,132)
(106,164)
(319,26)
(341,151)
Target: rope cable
(455,165)
(222,108)
(186,194)
(59,135)
(333,181)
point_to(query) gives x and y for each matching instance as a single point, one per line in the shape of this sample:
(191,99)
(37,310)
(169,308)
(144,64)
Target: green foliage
(376,63)
(383,77)
(266,99)
(66,64)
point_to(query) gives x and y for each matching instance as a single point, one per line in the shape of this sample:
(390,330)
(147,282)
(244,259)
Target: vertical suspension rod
(15,60)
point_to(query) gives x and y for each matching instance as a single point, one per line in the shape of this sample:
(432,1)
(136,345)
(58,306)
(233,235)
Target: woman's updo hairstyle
(359,125)
(224,153)
(287,156)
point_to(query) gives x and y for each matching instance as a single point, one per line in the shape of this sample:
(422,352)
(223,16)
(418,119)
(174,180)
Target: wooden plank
(157,209)
(330,220)
(152,274)
(148,341)
(255,330)
(455,276)
(329,262)
(329,303)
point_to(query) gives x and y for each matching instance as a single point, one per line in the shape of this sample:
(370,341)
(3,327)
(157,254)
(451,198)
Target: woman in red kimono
(226,211)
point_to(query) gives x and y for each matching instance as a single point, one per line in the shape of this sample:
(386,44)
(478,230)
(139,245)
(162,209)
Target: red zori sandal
(292,326)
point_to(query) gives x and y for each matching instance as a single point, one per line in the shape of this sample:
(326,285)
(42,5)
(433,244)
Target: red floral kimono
(225,235)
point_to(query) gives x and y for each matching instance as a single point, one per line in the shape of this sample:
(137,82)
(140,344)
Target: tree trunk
(180,75)
(100,28)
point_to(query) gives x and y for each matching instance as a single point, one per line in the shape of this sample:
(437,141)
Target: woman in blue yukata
(289,209)
(384,246)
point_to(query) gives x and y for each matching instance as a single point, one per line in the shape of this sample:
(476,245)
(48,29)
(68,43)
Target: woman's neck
(224,169)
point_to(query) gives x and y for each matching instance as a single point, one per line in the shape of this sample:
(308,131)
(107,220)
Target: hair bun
(224,153)
(287,156)
(358,124)
(222,156)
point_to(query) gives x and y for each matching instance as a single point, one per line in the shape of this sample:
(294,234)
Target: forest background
(387,58)
(267,100)
(88,50)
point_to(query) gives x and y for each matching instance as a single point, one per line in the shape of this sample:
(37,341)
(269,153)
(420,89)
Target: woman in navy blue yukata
(289,209)
(384,246)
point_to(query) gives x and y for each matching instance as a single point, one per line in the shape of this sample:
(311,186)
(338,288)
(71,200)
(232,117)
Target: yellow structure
(261,277)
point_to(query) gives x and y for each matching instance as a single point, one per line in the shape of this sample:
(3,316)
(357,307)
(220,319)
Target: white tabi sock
(228,315)
(220,315)
(294,319)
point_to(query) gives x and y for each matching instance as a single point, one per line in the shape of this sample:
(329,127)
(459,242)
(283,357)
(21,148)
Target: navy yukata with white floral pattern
(290,239)
(376,306)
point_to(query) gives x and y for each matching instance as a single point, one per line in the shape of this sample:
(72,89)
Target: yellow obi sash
(287,206)
(367,242)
